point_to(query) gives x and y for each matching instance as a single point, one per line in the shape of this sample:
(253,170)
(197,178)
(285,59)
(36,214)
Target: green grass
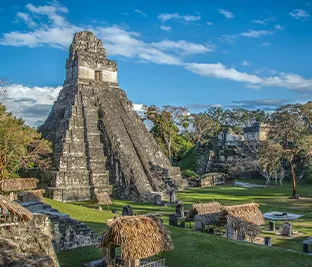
(197,249)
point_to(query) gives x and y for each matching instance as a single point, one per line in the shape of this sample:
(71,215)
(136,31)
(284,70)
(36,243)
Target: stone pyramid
(100,143)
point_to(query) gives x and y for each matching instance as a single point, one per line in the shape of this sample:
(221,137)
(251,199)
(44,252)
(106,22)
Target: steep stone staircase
(67,232)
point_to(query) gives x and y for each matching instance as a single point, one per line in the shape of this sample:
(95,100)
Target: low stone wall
(67,232)
(28,244)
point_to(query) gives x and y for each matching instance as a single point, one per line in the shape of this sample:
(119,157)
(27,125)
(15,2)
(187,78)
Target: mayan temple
(100,143)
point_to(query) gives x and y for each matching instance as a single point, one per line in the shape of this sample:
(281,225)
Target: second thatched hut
(140,239)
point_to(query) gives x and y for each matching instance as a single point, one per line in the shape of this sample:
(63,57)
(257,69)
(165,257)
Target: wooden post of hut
(132,263)
(109,256)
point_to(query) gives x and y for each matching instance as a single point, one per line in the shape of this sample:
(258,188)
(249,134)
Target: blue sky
(252,54)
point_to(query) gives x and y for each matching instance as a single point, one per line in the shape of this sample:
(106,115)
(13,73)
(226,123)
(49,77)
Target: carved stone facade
(100,143)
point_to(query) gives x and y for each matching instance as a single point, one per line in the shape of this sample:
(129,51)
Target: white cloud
(120,42)
(51,11)
(209,23)
(140,12)
(278,27)
(264,21)
(31,103)
(226,13)
(26,18)
(58,32)
(299,14)
(245,63)
(175,16)
(287,80)
(255,34)
(165,28)
(117,40)
(230,38)
(183,46)
(218,70)
(138,107)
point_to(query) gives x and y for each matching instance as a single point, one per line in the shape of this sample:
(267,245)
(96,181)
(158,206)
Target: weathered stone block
(98,139)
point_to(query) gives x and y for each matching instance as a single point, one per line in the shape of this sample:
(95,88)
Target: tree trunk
(294,180)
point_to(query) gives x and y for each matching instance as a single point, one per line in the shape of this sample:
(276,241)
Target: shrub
(188,174)
(308,174)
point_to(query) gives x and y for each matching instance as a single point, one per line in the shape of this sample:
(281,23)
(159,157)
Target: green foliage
(190,160)
(188,173)
(165,129)
(290,129)
(181,146)
(20,146)
(308,174)
(270,156)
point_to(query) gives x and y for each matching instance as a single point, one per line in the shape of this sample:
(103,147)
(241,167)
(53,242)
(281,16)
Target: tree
(238,118)
(20,146)
(166,122)
(202,125)
(306,110)
(270,159)
(217,115)
(288,128)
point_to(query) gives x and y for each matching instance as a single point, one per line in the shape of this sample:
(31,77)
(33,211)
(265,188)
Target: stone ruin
(100,143)
(67,233)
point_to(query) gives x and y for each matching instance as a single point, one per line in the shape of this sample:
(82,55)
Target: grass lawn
(198,249)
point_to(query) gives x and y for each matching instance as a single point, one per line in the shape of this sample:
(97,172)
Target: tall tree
(166,122)
(288,128)
(20,146)
(202,125)
(218,116)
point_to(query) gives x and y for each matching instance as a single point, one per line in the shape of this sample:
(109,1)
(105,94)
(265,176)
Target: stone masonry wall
(66,232)
(99,141)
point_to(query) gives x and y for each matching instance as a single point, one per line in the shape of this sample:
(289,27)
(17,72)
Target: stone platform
(67,232)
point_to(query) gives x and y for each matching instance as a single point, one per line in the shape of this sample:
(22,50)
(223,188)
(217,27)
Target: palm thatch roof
(18,184)
(9,207)
(246,219)
(138,236)
(248,212)
(102,198)
(205,208)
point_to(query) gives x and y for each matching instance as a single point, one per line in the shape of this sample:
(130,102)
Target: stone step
(69,233)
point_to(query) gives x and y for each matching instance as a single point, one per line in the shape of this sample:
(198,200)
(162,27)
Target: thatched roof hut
(248,212)
(102,198)
(10,211)
(204,208)
(138,236)
(246,219)
(12,185)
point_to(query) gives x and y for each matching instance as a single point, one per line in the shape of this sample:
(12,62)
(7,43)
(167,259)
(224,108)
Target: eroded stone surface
(99,141)
(28,244)
(67,233)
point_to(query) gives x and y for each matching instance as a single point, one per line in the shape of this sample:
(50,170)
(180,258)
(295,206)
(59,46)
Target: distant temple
(256,131)
(100,143)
